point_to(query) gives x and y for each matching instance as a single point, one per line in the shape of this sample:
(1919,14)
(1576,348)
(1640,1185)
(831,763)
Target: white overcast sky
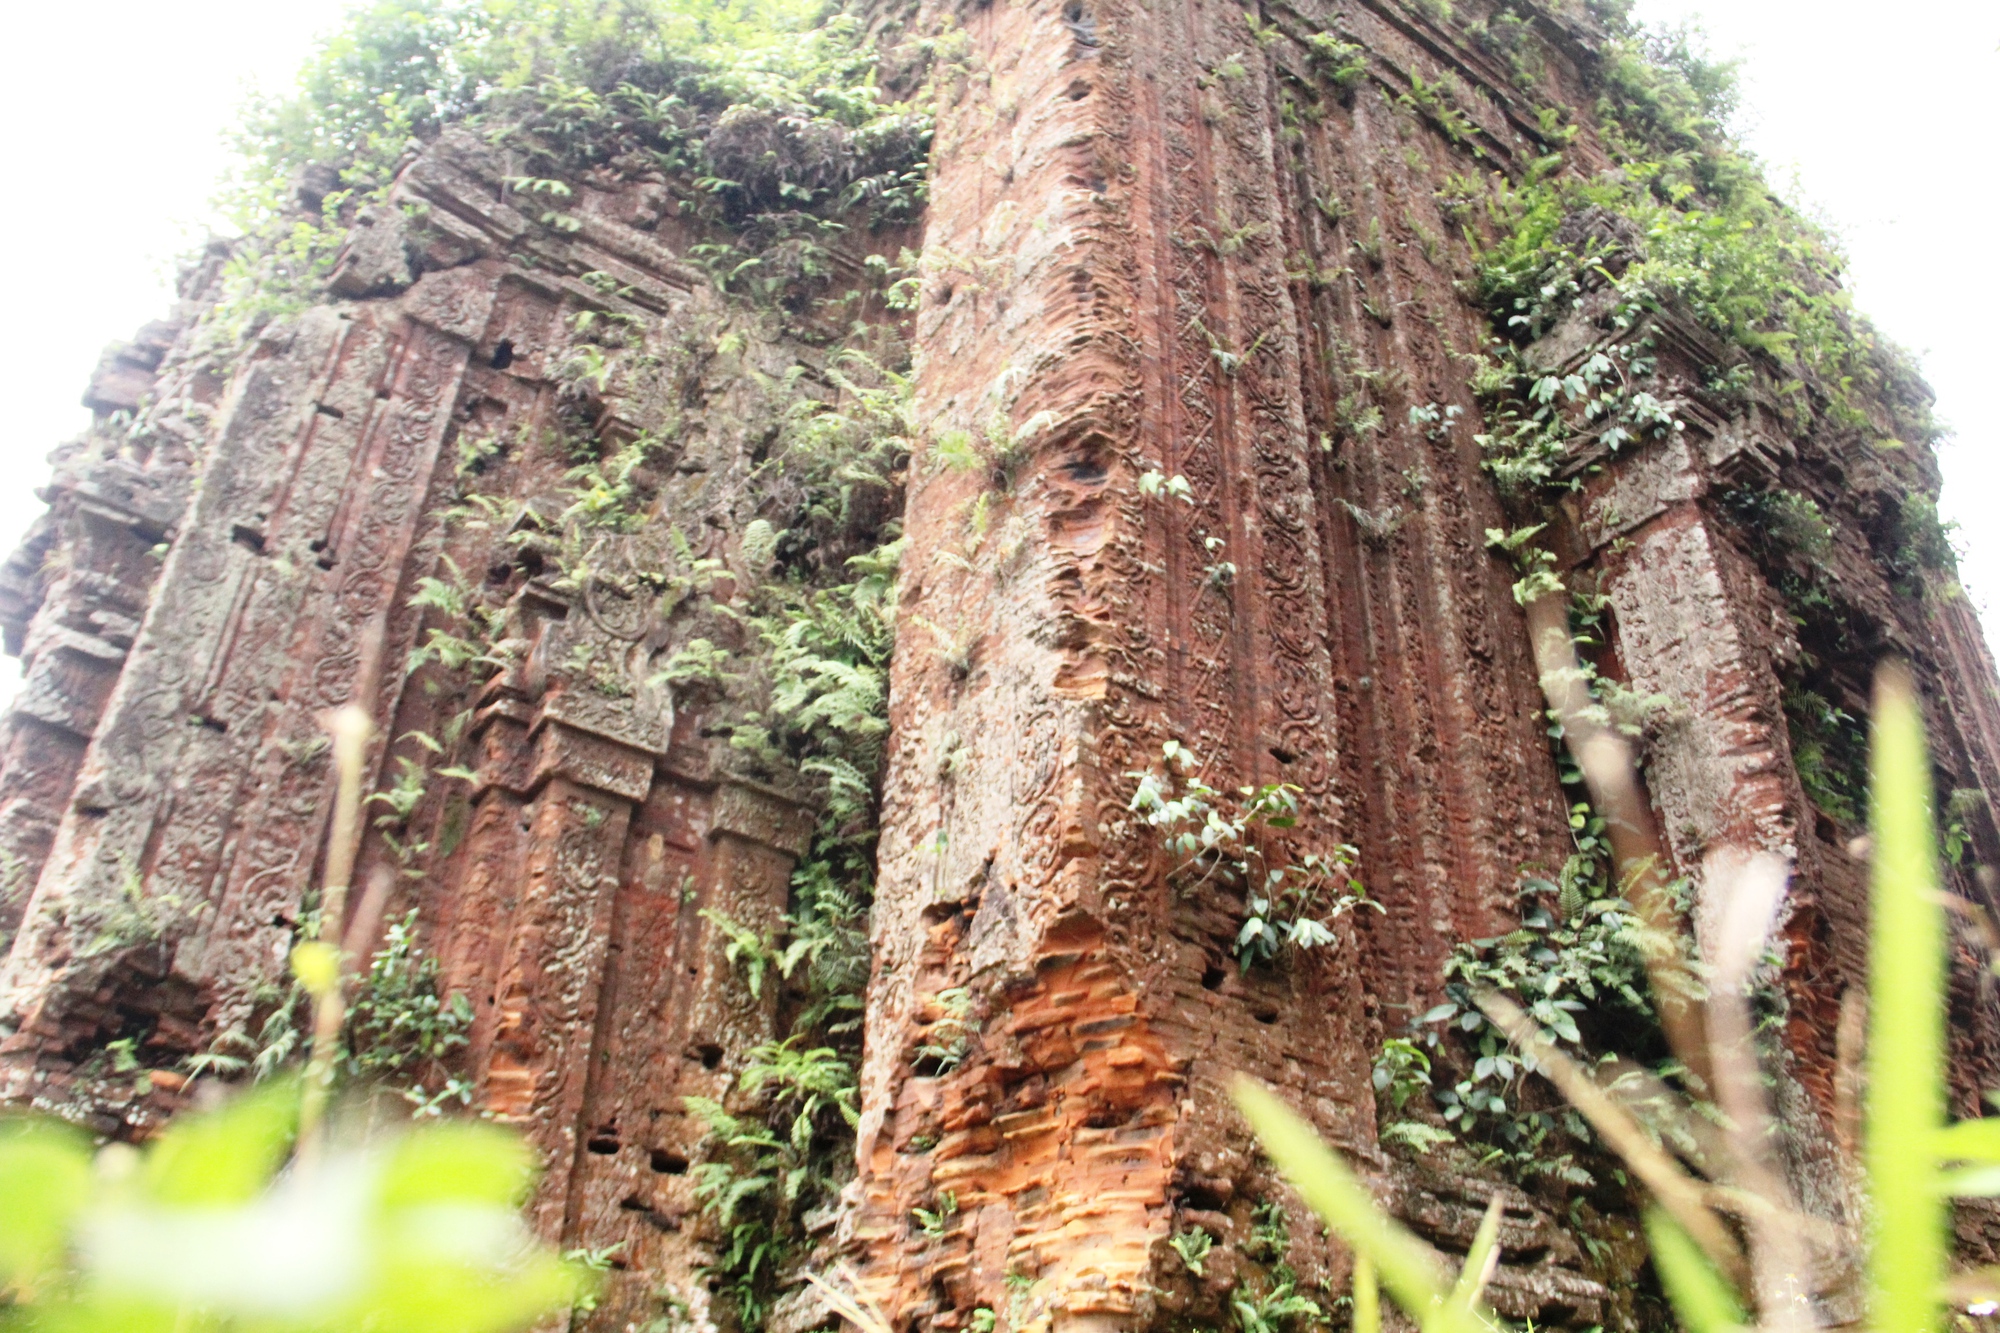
(1879,120)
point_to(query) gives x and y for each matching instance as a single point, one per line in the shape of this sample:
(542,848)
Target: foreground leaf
(1906,1109)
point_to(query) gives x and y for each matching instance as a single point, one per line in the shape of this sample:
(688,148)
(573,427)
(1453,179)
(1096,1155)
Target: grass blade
(1480,1260)
(1702,1299)
(1408,1267)
(1906,1019)
(1367,1296)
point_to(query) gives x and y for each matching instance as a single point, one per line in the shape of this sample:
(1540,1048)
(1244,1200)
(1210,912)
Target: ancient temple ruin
(1178,414)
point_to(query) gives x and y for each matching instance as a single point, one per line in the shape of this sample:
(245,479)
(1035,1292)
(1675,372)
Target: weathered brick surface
(182,643)
(1126,261)
(1134,262)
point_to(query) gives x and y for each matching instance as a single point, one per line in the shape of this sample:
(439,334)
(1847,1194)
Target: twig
(851,1304)
(1751,890)
(321,966)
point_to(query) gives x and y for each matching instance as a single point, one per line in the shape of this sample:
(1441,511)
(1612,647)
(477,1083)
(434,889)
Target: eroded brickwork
(183,643)
(1160,240)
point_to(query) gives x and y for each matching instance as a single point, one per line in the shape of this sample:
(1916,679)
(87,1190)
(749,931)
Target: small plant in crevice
(1829,754)
(1402,1072)
(1783,520)
(133,918)
(932,1222)
(783,1150)
(1341,63)
(1271,1301)
(1290,900)
(1193,1246)
(1434,420)
(401,1029)
(1377,527)
(948,1038)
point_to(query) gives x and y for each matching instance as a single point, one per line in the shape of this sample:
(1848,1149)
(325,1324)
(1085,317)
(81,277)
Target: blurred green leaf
(210,1230)
(1970,1141)
(44,1180)
(457,1162)
(419,1290)
(1906,1077)
(226,1156)
(1975,1182)
(317,966)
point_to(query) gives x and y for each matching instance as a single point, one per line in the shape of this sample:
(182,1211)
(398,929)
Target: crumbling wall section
(387,513)
(1126,274)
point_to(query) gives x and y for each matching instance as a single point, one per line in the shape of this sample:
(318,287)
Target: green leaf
(45,1180)
(1906,1108)
(1970,1141)
(457,1162)
(1976,1182)
(1702,1299)
(226,1156)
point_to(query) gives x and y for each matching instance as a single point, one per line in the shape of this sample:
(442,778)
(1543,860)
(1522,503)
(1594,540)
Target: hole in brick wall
(1081,24)
(328,410)
(668,1163)
(1282,755)
(503,354)
(604,1145)
(1084,471)
(1212,977)
(1078,91)
(1266,1015)
(710,1056)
